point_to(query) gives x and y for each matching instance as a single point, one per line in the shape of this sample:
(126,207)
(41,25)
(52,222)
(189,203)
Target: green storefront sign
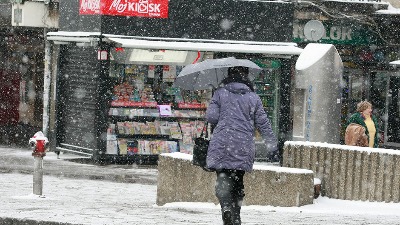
(337,32)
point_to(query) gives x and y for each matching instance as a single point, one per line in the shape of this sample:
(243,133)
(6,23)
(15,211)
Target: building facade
(108,60)
(99,48)
(123,68)
(21,75)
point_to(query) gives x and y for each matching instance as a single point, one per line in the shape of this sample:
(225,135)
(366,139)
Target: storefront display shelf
(194,106)
(115,119)
(142,160)
(146,159)
(150,114)
(147,136)
(153,105)
(133,107)
(119,159)
(134,104)
(193,109)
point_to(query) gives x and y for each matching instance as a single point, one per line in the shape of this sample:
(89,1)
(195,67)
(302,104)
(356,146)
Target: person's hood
(237,88)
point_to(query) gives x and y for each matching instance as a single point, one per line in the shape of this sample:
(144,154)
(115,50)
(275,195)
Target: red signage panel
(136,8)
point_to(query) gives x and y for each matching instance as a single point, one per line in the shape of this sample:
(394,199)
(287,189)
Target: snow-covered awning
(273,48)
(280,48)
(65,36)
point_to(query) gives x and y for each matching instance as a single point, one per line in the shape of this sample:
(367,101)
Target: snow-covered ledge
(180,181)
(348,172)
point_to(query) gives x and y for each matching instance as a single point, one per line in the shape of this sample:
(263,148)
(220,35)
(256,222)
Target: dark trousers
(229,190)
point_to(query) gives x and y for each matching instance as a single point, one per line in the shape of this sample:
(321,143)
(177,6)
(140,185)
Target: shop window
(357,89)
(378,95)
(151,85)
(393,115)
(384,95)
(140,87)
(137,126)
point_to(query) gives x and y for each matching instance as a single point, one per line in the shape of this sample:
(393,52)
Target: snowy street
(103,202)
(82,200)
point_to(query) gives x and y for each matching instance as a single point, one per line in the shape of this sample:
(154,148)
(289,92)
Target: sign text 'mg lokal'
(136,8)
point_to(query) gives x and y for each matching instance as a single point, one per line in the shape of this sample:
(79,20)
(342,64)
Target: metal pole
(46,84)
(38,175)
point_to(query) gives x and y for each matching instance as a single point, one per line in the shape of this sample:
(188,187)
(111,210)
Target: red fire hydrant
(39,144)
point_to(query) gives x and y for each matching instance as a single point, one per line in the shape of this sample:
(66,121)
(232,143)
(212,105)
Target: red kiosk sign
(136,8)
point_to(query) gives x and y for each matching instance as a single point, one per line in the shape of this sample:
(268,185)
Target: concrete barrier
(348,172)
(180,181)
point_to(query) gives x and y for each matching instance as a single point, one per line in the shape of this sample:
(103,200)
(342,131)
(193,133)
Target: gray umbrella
(209,73)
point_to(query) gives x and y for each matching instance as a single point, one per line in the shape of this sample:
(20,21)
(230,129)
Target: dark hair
(238,74)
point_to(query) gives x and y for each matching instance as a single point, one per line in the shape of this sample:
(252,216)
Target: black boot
(229,190)
(223,190)
(227,216)
(236,211)
(236,216)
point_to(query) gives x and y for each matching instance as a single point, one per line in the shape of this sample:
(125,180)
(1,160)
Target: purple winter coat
(236,109)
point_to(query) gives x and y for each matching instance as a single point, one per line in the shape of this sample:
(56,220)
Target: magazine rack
(139,134)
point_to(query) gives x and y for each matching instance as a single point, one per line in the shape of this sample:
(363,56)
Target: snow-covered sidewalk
(80,201)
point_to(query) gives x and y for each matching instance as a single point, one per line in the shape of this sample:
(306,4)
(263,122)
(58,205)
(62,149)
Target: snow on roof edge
(390,10)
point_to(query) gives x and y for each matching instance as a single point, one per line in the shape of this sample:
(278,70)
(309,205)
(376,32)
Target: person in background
(355,135)
(235,111)
(364,117)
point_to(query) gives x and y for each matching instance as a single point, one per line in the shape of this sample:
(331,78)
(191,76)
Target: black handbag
(200,150)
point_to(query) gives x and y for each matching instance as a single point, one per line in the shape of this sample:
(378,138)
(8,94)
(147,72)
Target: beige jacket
(355,135)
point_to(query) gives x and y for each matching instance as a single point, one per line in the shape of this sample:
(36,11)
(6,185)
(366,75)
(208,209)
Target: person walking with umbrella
(235,111)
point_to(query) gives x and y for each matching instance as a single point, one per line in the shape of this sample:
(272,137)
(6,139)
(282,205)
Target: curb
(15,221)
(118,178)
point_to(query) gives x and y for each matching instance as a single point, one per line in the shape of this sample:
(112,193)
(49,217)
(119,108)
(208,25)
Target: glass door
(357,88)
(267,87)
(385,98)
(392,126)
